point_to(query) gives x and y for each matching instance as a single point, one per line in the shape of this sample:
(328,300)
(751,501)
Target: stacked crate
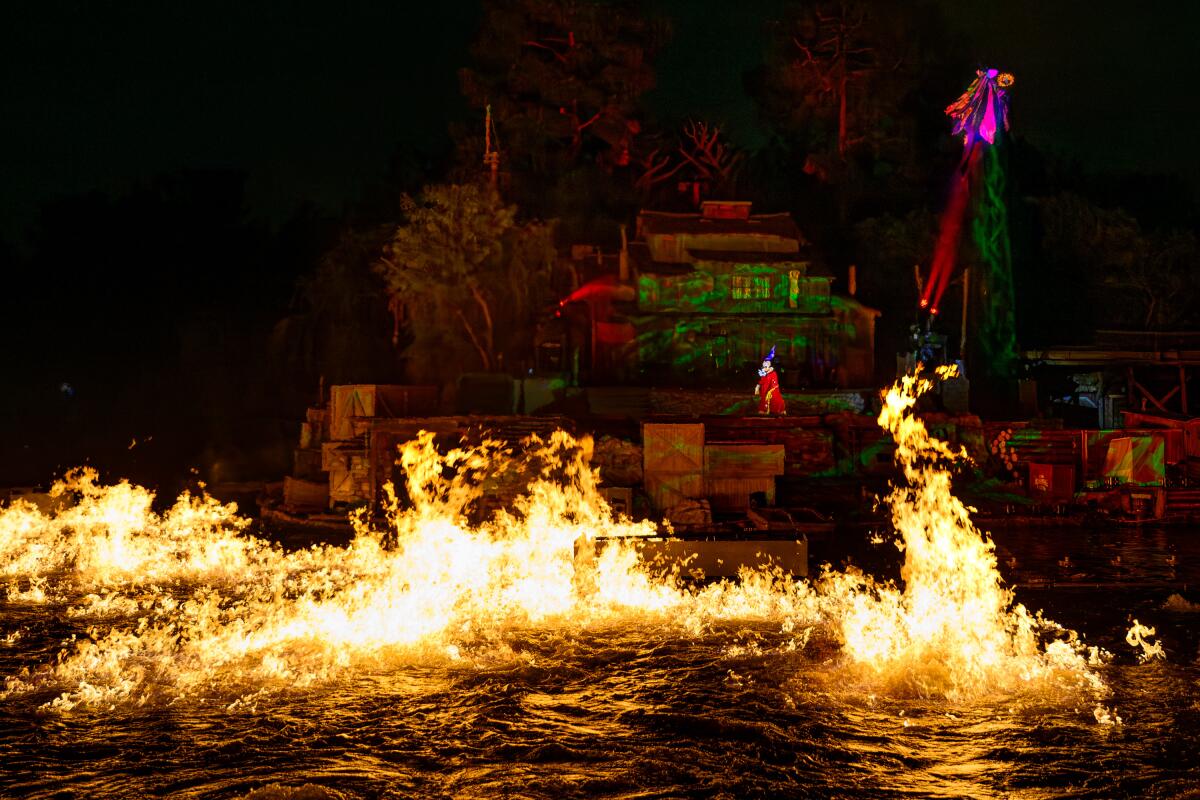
(344,456)
(807,446)
(672,463)
(354,410)
(305,495)
(351,402)
(349,471)
(306,462)
(733,473)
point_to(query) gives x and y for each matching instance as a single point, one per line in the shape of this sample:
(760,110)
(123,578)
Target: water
(640,708)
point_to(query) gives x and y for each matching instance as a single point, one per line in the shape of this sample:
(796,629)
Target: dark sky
(313,99)
(1105,81)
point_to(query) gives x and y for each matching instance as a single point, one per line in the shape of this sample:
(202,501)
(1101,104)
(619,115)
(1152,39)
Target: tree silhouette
(1138,279)
(467,277)
(563,79)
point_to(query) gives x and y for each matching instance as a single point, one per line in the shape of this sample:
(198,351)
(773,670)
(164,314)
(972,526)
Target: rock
(690,512)
(620,461)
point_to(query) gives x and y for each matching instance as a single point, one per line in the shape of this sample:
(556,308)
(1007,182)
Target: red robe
(770,399)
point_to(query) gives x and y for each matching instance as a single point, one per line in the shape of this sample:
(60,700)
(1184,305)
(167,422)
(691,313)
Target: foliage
(563,79)
(842,72)
(339,328)
(1140,280)
(885,249)
(893,244)
(854,92)
(467,277)
(701,164)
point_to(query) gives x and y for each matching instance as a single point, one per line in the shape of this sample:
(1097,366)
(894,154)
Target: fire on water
(187,604)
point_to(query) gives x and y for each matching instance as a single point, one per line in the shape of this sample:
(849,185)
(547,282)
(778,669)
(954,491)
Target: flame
(953,629)
(187,603)
(1137,637)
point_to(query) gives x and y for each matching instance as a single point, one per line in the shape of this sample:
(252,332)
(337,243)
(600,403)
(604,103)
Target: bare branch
(654,170)
(487,316)
(483,354)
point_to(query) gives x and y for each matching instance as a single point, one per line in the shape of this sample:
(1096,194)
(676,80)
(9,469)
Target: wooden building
(700,298)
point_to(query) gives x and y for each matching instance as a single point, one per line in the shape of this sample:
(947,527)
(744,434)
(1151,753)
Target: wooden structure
(734,473)
(376,400)
(1144,360)
(672,463)
(701,297)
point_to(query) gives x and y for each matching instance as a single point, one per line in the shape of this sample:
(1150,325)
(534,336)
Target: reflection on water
(625,711)
(147,654)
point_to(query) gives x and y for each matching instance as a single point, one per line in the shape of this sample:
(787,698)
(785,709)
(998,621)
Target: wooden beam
(1157,403)
(1183,398)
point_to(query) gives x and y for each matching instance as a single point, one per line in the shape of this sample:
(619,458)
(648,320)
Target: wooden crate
(306,463)
(743,460)
(670,489)
(1052,483)
(733,494)
(673,448)
(349,486)
(340,456)
(1096,444)
(304,495)
(370,400)
(620,499)
(1140,460)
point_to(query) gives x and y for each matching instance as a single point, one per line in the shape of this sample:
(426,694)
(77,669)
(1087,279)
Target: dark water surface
(640,711)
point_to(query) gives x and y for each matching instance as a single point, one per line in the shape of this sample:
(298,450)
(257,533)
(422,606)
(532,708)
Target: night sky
(154,306)
(314,99)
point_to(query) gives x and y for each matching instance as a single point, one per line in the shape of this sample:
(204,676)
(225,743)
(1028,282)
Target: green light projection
(996,340)
(709,323)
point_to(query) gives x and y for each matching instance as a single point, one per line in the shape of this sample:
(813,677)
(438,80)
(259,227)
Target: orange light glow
(186,603)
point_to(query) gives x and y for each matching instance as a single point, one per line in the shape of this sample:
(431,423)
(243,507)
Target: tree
(467,277)
(844,62)
(339,327)
(845,88)
(701,165)
(885,249)
(563,80)
(1138,279)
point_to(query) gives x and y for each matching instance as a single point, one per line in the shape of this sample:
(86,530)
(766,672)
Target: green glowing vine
(997,327)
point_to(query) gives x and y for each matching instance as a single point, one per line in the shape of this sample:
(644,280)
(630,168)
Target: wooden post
(623,261)
(1183,389)
(491,155)
(920,285)
(962,340)
(852,280)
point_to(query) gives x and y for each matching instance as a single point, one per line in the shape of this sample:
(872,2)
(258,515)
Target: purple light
(983,109)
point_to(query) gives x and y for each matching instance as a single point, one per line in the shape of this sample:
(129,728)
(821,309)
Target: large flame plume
(187,604)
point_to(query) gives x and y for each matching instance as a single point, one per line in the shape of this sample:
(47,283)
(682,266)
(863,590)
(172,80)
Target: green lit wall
(737,288)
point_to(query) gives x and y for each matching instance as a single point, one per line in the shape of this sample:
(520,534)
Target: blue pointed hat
(771,355)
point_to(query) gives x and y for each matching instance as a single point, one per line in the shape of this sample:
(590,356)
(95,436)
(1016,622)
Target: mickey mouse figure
(770,399)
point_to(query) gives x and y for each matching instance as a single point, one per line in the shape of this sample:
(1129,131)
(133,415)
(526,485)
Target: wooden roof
(652,223)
